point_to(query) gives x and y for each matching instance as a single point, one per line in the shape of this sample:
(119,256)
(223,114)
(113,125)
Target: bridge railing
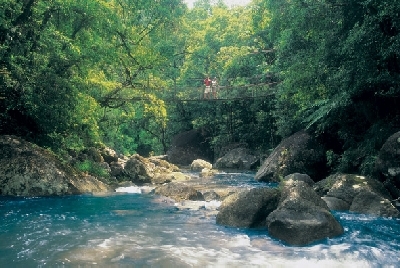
(222,92)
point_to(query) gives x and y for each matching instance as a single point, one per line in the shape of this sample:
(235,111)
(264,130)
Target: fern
(321,109)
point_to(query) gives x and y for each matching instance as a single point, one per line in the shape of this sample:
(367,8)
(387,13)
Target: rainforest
(128,74)
(180,133)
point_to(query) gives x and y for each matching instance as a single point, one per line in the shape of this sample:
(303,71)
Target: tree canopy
(120,73)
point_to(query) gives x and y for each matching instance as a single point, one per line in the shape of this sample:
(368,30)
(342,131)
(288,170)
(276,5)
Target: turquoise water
(145,230)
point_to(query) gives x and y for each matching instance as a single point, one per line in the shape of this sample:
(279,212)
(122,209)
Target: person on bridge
(214,85)
(207,91)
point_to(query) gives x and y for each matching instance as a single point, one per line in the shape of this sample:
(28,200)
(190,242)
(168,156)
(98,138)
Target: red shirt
(207,82)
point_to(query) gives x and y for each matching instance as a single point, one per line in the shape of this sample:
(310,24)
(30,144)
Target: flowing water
(140,229)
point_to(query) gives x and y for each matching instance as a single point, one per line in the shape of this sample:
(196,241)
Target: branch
(26,13)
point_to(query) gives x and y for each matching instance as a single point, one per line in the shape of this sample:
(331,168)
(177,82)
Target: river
(134,228)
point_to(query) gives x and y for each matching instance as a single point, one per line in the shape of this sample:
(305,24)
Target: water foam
(135,189)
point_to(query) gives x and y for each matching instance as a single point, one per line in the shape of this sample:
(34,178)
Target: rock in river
(29,170)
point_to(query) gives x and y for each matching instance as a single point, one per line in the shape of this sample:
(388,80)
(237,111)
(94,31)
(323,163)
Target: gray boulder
(249,208)
(238,158)
(336,203)
(205,172)
(138,169)
(293,187)
(298,153)
(28,170)
(299,222)
(356,193)
(367,202)
(149,170)
(179,192)
(190,145)
(300,177)
(347,186)
(302,217)
(387,164)
(200,164)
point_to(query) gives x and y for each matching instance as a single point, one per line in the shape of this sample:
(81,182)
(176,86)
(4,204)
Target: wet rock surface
(238,158)
(249,208)
(179,192)
(302,217)
(387,164)
(356,193)
(299,153)
(28,170)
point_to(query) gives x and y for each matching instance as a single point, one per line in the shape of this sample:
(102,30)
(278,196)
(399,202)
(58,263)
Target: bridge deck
(189,94)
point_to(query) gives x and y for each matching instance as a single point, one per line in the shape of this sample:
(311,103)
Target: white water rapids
(135,228)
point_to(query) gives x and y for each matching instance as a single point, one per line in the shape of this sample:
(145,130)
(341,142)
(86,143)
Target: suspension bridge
(196,94)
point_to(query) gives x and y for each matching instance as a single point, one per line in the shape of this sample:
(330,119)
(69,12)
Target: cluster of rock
(187,190)
(301,217)
(28,170)
(349,192)
(298,153)
(190,145)
(179,192)
(302,153)
(297,212)
(204,168)
(139,170)
(294,213)
(135,169)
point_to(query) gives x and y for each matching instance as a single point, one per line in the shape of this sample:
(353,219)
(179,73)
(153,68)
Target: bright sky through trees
(227,2)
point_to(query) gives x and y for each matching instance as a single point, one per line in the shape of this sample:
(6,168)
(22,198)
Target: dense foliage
(339,68)
(124,73)
(66,66)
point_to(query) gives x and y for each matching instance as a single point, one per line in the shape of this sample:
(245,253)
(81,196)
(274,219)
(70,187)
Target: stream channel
(135,228)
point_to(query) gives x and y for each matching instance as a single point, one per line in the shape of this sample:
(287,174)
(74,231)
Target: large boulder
(298,153)
(203,167)
(302,217)
(200,164)
(179,192)
(149,170)
(220,151)
(188,146)
(249,208)
(42,185)
(387,164)
(336,203)
(138,169)
(238,158)
(28,170)
(368,202)
(300,177)
(356,193)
